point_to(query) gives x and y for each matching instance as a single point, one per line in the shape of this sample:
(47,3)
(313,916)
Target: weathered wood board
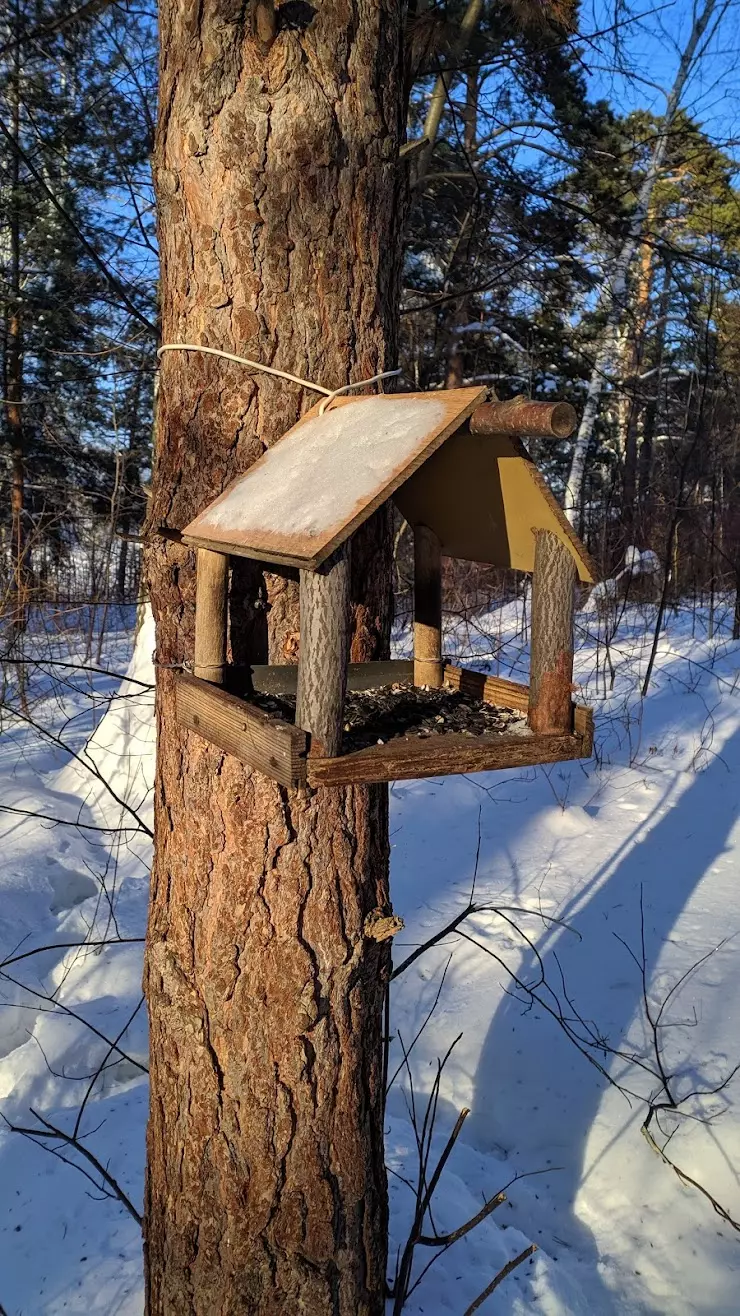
(484,497)
(282,679)
(583,725)
(442,756)
(237,727)
(280,750)
(311,490)
(491,689)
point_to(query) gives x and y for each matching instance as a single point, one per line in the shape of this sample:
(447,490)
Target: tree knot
(382,924)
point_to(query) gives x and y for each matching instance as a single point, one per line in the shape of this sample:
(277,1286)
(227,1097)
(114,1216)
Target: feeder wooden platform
(281,750)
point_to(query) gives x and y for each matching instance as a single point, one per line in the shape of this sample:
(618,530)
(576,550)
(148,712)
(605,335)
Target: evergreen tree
(73,221)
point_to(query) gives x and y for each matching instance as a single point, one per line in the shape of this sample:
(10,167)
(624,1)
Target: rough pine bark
(551,664)
(279,215)
(324,651)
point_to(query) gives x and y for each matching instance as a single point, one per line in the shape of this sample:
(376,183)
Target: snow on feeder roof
(307,494)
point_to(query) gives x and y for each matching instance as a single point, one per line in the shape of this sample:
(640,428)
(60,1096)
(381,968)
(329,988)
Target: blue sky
(651,38)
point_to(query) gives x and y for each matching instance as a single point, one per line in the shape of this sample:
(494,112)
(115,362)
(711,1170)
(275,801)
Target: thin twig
(75,667)
(70,945)
(72,822)
(446,1240)
(87,763)
(55,1004)
(51,1131)
(498,1279)
(686,1178)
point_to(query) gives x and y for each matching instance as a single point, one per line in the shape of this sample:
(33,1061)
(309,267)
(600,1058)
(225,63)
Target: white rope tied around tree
(329,394)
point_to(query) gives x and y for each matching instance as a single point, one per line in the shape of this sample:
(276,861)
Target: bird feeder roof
(480,493)
(484,498)
(308,493)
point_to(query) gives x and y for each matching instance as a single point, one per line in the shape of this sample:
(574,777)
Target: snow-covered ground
(585,864)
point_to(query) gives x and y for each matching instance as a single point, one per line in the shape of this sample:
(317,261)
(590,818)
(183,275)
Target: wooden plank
(210,615)
(484,497)
(587,570)
(427,608)
(441,756)
(235,550)
(490,689)
(322,667)
(278,749)
(261,741)
(282,679)
(308,550)
(551,662)
(583,725)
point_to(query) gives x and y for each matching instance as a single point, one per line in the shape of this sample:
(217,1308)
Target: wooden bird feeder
(456,468)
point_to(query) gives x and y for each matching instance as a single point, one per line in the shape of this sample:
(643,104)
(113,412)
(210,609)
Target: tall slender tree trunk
(440,96)
(130,484)
(645,469)
(458,314)
(635,411)
(14,358)
(614,290)
(279,216)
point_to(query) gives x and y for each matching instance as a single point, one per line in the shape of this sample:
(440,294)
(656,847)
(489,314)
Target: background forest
(555,246)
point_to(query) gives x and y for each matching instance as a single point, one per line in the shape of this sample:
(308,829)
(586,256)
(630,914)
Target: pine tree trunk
(439,100)
(276,170)
(14,362)
(458,313)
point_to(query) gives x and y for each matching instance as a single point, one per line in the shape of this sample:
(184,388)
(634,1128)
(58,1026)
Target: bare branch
(498,1279)
(51,1131)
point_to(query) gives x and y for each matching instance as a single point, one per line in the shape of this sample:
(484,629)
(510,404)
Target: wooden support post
(324,654)
(427,607)
(210,616)
(551,666)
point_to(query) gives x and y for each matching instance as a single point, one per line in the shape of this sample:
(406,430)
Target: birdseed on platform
(405,711)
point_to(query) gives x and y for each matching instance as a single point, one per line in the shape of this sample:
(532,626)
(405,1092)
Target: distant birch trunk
(632,408)
(645,472)
(613,290)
